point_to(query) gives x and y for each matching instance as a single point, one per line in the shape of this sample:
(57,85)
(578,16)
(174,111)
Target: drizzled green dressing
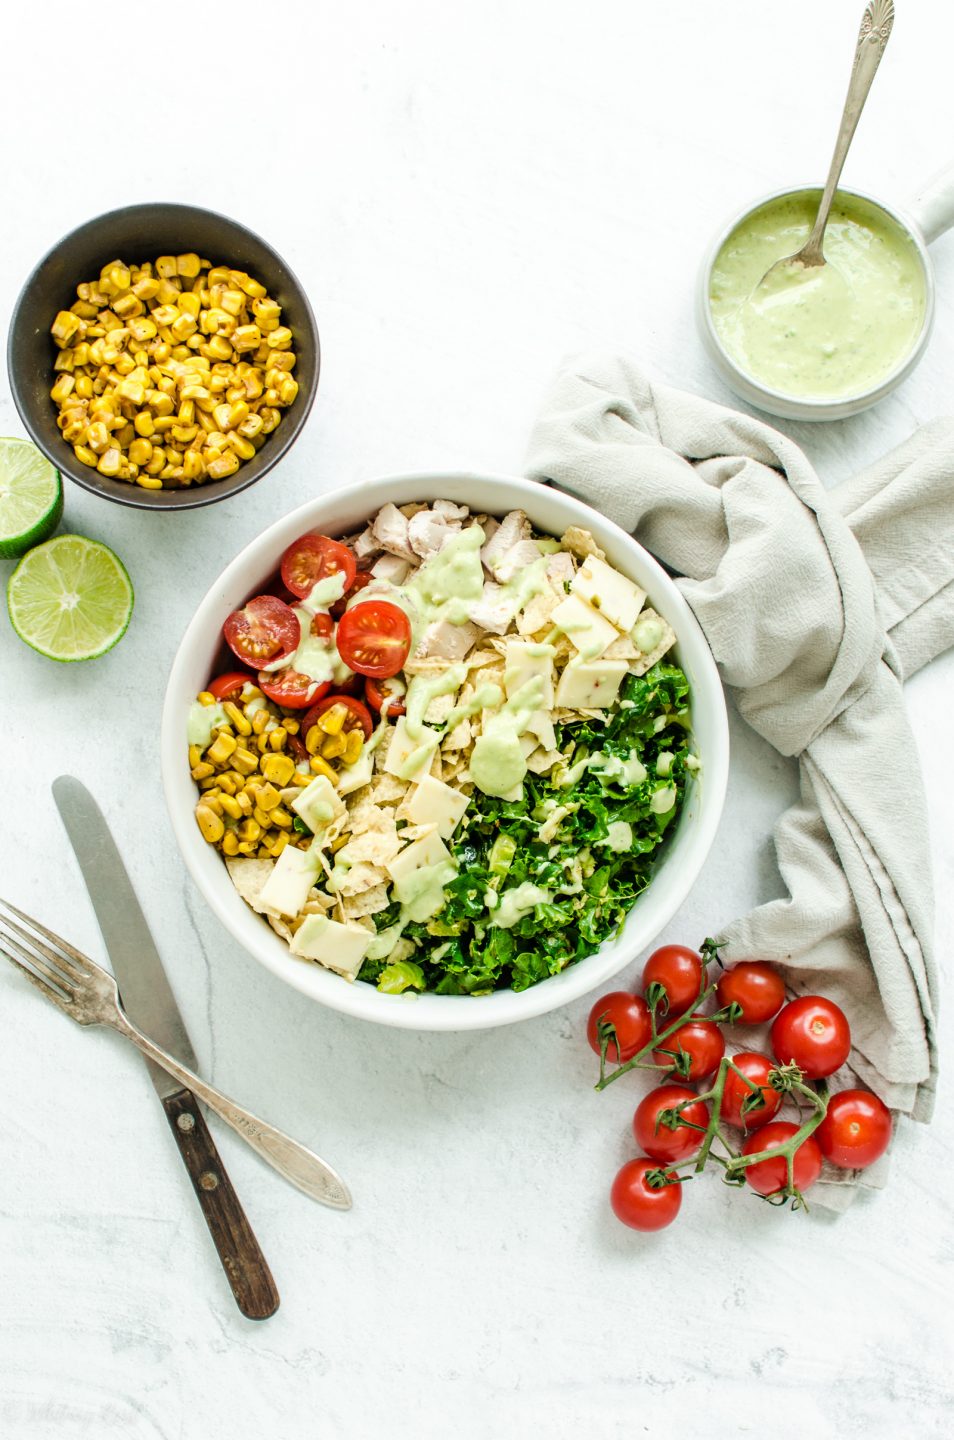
(497,765)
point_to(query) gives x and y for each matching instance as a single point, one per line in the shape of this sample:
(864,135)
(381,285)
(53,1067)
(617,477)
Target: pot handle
(932,208)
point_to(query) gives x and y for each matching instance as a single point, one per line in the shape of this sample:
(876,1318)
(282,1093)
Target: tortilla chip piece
(646,662)
(249,876)
(621,649)
(535,616)
(376,847)
(359,878)
(280,928)
(437,766)
(369,902)
(387,787)
(439,709)
(481,657)
(580,542)
(417,832)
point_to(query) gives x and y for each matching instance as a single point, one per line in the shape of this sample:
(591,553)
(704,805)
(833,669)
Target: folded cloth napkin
(817,604)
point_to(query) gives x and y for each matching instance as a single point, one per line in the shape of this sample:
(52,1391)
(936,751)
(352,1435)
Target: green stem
(655,1043)
(819,1100)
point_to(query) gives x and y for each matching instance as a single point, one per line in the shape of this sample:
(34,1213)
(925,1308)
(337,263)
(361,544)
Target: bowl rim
(139,499)
(442,1013)
(807,407)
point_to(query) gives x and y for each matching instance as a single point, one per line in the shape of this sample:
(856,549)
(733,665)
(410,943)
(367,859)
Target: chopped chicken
(560,567)
(391,568)
(427,532)
(390,531)
(517,558)
(449,511)
(494,610)
(445,641)
(366,544)
(513,527)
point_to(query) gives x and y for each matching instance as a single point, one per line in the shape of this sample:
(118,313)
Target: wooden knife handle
(242,1260)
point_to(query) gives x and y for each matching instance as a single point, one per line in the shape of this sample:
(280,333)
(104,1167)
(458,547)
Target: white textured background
(468,191)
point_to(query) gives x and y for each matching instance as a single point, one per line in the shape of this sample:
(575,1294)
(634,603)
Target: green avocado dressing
(449,582)
(425,688)
(820,331)
(497,765)
(202,721)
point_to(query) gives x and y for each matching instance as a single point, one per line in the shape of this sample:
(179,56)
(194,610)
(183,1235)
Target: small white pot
(551,512)
(927,216)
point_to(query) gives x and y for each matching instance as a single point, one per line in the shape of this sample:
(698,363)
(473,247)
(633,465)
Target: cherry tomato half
(640,1204)
(358,715)
(680,972)
(311,558)
(629,1016)
(757,1068)
(770,1177)
(694,1052)
(856,1130)
(658,1141)
(265,629)
(756,987)
(812,1033)
(379,692)
(291,688)
(225,685)
(363,578)
(374,638)
(322,625)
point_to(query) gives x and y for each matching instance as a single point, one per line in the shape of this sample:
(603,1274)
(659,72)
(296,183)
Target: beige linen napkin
(817,605)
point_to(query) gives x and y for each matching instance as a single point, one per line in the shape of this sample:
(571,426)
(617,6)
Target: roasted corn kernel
(135,358)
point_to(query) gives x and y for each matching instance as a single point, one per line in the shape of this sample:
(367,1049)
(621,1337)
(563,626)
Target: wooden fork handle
(242,1260)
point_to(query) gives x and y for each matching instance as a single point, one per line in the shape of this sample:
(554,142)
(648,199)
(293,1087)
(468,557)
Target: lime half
(71,598)
(31,498)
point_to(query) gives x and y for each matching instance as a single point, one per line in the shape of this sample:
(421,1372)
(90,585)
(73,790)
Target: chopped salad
(452,753)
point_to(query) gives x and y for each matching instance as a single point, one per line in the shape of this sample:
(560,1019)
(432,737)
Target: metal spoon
(876,26)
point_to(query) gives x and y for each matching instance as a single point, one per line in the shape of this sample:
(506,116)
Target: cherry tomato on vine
(230,684)
(291,688)
(813,1034)
(641,1198)
(379,692)
(756,987)
(771,1176)
(694,1052)
(311,558)
(756,1068)
(856,1130)
(374,638)
(658,1141)
(265,629)
(681,974)
(629,1015)
(357,717)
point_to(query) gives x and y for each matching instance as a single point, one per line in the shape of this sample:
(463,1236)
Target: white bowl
(551,512)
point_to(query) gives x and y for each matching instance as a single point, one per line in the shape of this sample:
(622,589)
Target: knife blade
(149,1002)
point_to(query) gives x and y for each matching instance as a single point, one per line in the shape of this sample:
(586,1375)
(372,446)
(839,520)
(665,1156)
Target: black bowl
(137,234)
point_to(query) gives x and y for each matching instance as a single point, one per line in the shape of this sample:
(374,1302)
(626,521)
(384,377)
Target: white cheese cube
(318,804)
(609,592)
(339,947)
(523,666)
(434,803)
(541,726)
(286,889)
(590,684)
(358,774)
(429,850)
(586,627)
(407,758)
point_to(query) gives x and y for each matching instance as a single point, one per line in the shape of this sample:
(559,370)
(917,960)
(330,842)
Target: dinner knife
(148,1000)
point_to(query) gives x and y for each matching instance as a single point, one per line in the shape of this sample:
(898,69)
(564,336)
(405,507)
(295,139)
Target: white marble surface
(468,192)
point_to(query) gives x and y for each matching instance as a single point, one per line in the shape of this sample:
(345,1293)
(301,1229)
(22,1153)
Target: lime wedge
(31,498)
(71,598)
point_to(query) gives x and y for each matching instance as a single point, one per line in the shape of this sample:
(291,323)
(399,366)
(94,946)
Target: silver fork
(90,996)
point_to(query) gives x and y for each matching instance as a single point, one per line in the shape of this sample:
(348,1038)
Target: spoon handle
(876,26)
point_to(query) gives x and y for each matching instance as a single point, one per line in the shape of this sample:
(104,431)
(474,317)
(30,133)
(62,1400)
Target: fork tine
(73,961)
(50,991)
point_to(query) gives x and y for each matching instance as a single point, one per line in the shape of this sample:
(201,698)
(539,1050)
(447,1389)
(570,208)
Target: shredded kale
(588,887)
